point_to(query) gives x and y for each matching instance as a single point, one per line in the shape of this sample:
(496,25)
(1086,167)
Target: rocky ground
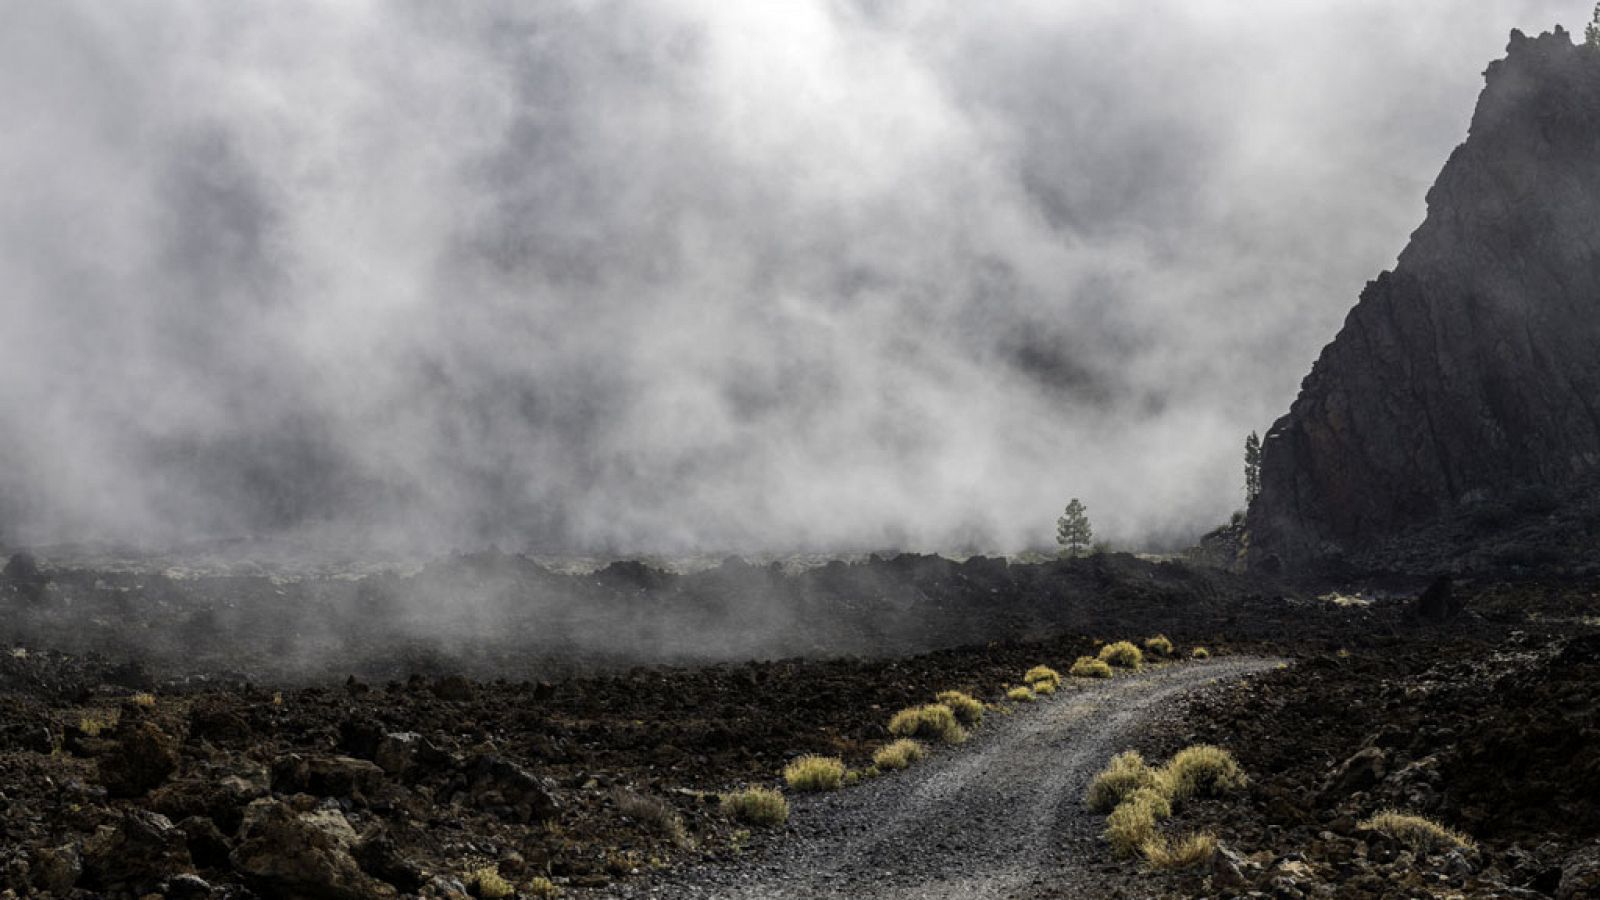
(121,777)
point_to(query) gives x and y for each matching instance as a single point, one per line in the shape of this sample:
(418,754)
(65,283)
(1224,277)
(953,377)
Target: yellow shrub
(142,699)
(1420,834)
(814,773)
(1020,694)
(934,722)
(757,805)
(968,709)
(1159,645)
(1188,852)
(543,887)
(898,755)
(1200,770)
(1089,667)
(1200,653)
(1042,674)
(1133,823)
(1125,774)
(1123,655)
(488,883)
(1044,688)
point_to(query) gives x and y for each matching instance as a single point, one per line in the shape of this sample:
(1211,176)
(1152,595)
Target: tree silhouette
(1073,532)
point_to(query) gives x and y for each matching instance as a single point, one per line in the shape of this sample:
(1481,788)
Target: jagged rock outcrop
(1470,374)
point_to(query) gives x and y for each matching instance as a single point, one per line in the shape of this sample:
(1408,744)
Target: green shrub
(968,709)
(898,755)
(1189,852)
(1200,770)
(757,806)
(1089,667)
(814,773)
(1158,645)
(1125,774)
(934,722)
(1122,655)
(1420,834)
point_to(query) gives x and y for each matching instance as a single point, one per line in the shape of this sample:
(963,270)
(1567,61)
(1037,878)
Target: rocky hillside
(1462,396)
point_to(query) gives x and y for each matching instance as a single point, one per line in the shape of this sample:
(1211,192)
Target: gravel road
(1001,817)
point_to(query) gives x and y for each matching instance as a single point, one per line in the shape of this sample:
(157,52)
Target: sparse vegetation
(1073,531)
(1188,852)
(1200,770)
(543,887)
(94,723)
(934,722)
(1158,645)
(1089,667)
(1045,688)
(757,806)
(1041,675)
(1200,653)
(143,700)
(1421,834)
(1126,773)
(968,709)
(653,813)
(1020,694)
(814,773)
(1133,823)
(898,755)
(1123,655)
(487,882)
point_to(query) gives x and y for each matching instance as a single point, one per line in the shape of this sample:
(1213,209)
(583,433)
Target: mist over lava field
(687,276)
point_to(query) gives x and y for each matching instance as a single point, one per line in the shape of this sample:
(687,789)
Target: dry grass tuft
(967,708)
(1188,852)
(1118,781)
(1045,688)
(655,814)
(1420,834)
(1123,655)
(1200,770)
(1020,694)
(934,722)
(143,700)
(487,882)
(1158,645)
(814,773)
(543,887)
(1133,823)
(1042,675)
(757,806)
(898,755)
(1200,653)
(1089,667)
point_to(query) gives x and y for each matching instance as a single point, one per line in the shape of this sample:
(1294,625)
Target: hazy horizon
(688,275)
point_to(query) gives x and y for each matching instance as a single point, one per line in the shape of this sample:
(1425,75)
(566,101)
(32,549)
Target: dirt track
(998,818)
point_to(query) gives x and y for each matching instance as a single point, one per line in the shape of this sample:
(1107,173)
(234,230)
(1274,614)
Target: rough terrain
(1001,818)
(1463,389)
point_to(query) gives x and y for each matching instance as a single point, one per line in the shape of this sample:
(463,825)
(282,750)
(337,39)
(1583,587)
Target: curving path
(1001,817)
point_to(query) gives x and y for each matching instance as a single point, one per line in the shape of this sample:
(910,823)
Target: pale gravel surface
(1000,817)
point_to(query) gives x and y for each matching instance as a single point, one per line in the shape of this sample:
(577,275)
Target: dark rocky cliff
(1468,378)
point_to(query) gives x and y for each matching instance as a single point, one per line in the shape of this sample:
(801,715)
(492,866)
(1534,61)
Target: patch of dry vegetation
(487,882)
(543,887)
(655,814)
(814,773)
(1126,773)
(1123,655)
(757,806)
(1200,770)
(934,722)
(1042,675)
(1158,645)
(1191,851)
(1421,834)
(1089,667)
(898,755)
(1020,694)
(968,709)
(1200,653)
(1133,823)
